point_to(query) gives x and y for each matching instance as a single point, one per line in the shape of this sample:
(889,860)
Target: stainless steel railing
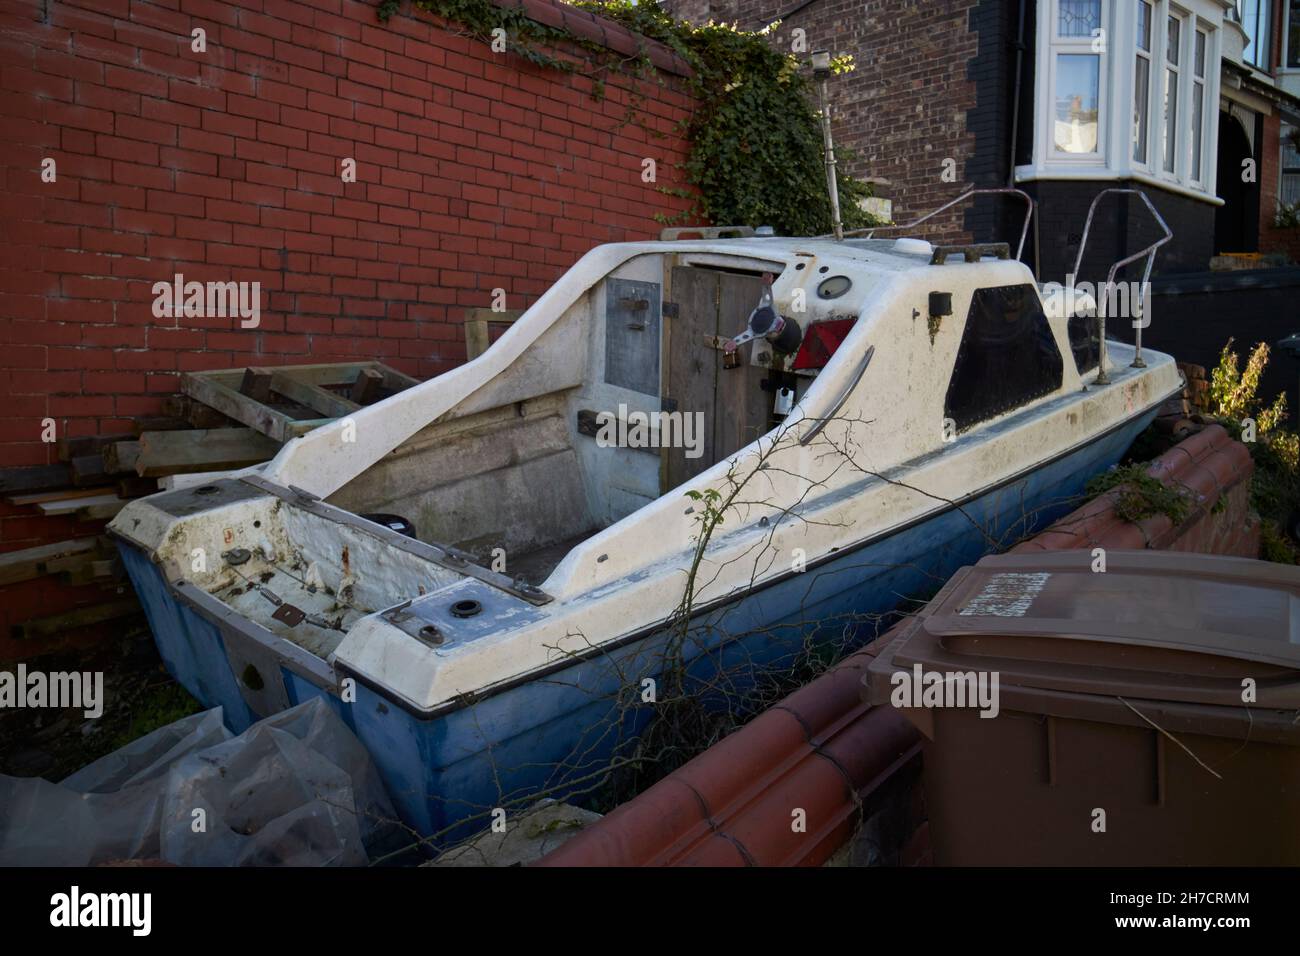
(1149,252)
(870,231)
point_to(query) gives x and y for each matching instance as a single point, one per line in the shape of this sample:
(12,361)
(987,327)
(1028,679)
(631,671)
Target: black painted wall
(993,73)
(1122,227)
(1193,316)
(1118,231)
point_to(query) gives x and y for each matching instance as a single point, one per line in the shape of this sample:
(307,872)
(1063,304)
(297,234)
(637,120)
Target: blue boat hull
(555,734)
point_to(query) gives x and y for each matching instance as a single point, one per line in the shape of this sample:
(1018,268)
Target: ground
(139,696)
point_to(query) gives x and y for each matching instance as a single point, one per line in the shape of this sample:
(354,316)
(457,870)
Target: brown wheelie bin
(1144,714)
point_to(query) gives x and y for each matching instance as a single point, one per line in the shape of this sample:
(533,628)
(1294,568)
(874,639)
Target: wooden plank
(478,333)
(194,413)
(665,366)
(88,470)
(135,487)
(35,478)
(331,373)
(226,400)
(367,387)
(73,504)
(742,410)
(256,384)
(394,380)
(211,449)
(693,369)
(91,570)
(172,482)
(121,457)
(157,423)
(84,446)
(102,511)
(201,416)
(313,396)
(31,563)
(304,425)
(37,497)
(220,390)
(80,617)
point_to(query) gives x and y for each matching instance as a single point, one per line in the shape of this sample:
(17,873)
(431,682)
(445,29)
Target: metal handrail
(1149,252)
(973,191)
(854,378)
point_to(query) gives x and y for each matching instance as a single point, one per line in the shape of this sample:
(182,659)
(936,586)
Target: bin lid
(1154,624)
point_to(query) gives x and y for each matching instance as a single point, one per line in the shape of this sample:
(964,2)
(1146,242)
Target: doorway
(1236,222)
(713,306)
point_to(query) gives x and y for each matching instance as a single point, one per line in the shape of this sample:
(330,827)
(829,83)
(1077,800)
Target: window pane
(1171,119)
(1290,188)
(1200,54)
(1077,88)
(1141,108)
(1173,44)
(1290,154)
(1257,20)
(1198,111)
(1078,18)
(1144,25)
(1007,358)
(1293,36)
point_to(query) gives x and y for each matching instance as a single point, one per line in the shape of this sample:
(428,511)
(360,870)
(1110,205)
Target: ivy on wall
(755,138)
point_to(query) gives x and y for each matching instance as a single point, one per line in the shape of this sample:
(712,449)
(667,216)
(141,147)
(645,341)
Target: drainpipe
(1015,119)
(821,61)
(1015,97)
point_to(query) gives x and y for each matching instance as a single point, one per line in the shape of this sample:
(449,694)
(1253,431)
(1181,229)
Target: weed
(1140,496)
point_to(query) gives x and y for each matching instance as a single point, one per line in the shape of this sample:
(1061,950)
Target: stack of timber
(222,420)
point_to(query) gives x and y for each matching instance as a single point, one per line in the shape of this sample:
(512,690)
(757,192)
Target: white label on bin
(1007,595)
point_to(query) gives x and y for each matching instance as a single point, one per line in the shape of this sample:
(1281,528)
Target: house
(1195,102)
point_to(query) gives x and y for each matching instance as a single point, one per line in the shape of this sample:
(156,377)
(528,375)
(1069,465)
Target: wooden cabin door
(712,306)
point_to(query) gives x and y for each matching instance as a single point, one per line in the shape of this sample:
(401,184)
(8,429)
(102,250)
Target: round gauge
(834,287)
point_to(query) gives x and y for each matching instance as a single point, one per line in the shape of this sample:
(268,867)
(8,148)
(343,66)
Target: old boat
(890,412)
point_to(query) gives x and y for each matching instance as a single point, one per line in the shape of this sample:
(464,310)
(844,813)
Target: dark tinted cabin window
(1007,356)
(1085,341)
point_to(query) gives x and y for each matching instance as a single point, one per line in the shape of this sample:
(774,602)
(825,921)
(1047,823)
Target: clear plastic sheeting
(295,789)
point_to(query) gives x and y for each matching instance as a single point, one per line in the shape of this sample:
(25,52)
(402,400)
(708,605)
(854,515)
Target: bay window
(1078,46)
(1289,188)
(1128,89)
(1199,51)
(1173,73)
(1293,35)
(1142,84)
(1256,18)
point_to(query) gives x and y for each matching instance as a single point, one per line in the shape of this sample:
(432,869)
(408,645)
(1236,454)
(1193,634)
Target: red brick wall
(475,171)
(1272,239)
(904,108)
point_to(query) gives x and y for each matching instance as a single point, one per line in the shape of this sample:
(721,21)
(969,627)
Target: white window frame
(1152,81)
(1195,81)
(1264,50)
(1169,147)
(1079,46)
(1287,167)
(1290,10)
(1117,138)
